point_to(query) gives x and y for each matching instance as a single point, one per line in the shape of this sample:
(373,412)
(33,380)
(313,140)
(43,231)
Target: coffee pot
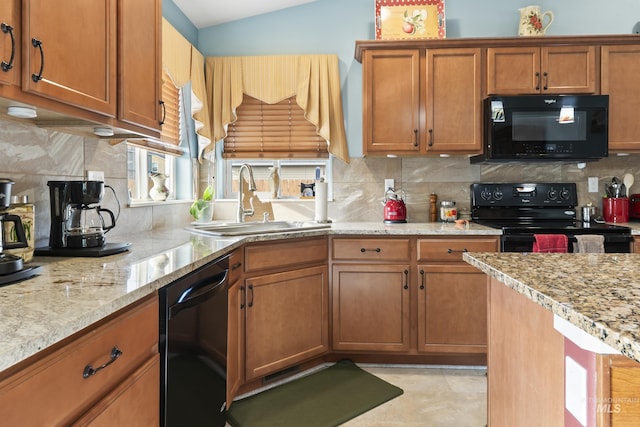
(77,219)
(85,226)
(532,21)
(395,211)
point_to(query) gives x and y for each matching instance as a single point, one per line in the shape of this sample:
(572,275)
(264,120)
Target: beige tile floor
(432,397)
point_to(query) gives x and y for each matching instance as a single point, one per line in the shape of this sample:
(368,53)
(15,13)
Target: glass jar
(448,211)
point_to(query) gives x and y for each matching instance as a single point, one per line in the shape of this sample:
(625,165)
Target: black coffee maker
(78,224)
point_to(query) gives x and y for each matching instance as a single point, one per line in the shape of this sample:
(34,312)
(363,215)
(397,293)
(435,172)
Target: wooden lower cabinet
(452,309)
(50,389)
(286,320)
(131,403)
(371,307)
(282,306)
(409,296)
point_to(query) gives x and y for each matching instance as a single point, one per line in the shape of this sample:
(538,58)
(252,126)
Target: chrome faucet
(242,212)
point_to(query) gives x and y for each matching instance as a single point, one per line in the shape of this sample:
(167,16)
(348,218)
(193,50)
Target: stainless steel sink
(246,228)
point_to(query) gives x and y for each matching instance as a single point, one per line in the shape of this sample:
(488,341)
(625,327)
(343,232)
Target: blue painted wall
(333,26)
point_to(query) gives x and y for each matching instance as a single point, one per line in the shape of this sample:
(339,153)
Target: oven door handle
(200,291)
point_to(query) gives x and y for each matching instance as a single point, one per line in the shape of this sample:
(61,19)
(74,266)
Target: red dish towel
(548,243)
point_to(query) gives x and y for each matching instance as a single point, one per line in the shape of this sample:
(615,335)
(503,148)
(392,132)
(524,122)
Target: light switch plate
(593,184)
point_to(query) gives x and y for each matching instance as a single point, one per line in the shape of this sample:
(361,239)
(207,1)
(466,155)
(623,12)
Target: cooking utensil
(589,212)
(628,180)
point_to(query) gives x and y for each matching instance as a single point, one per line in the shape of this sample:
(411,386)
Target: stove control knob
(498,195)
(553,194)
(486,194)
(565,194)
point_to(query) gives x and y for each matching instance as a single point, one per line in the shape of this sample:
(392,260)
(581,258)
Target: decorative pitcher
(159,192)
(532,21)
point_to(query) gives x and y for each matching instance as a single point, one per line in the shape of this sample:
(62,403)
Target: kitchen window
(146,157)
(268,136)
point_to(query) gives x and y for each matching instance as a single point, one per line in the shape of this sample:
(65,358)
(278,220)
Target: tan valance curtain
(199,106)
(313,79)
(184,63)
(176,54)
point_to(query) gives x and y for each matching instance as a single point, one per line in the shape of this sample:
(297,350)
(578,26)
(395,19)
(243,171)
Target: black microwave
(545,127)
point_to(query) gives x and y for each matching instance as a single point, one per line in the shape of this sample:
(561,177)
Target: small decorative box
(410,19)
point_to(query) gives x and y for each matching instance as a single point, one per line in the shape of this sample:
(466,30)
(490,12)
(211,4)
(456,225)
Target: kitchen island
(535,301)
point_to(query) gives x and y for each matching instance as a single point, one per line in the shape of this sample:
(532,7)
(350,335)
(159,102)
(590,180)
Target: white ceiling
(205,13)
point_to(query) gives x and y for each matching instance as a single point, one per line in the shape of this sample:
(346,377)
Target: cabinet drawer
(372,249)
(55,383)
(451,249)
(271,255)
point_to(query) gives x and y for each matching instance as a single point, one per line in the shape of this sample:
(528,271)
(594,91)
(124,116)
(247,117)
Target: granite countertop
(72,293)
(597,293)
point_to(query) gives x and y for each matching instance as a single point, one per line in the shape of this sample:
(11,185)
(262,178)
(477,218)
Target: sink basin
(245,228)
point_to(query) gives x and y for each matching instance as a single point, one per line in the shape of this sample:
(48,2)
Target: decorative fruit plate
(410,19)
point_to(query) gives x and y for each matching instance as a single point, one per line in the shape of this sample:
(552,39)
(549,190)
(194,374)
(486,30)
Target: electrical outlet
(593,184)
(389,183)
(95,175)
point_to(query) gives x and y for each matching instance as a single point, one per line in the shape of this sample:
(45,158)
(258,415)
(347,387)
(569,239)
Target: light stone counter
(598,293)
(72,293)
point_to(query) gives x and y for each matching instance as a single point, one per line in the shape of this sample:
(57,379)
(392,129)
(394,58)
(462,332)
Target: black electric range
(521,210)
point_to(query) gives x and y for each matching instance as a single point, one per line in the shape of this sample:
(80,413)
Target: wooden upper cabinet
(76,57)
(391,101)
(10,43)
(454,100)
(139,62)
(619,71)
(534,70)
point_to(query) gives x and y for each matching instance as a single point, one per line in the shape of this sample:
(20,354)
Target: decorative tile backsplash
(32,156)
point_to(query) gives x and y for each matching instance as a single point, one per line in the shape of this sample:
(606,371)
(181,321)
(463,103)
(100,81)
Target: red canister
(615,209)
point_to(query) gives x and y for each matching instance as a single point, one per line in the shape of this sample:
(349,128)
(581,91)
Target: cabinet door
(134,402)
(10,17)
(139,62)
(287,320)
(391,101)
(513,70)
(619,73)
(532,70)
(371,307)
(452,309)
(568,69)
(78,52)
(454,100)
(235,347)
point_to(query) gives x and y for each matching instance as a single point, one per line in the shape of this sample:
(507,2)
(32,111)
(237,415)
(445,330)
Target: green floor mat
(326,398)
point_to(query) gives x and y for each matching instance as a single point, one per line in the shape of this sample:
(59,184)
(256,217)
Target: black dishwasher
(193,347)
